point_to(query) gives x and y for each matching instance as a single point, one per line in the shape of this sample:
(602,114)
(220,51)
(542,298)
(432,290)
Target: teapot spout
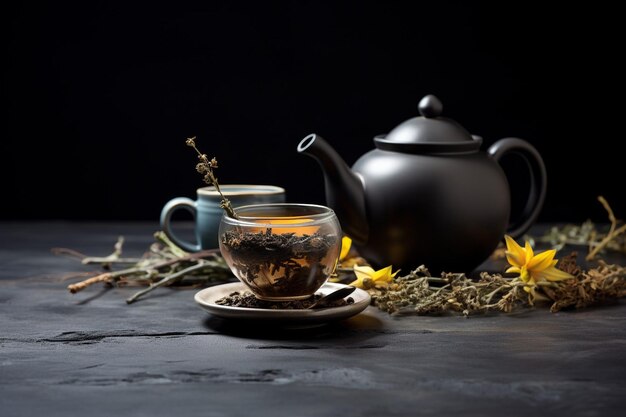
(345,193)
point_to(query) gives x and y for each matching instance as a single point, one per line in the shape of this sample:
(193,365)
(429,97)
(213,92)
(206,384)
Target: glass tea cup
(281,251)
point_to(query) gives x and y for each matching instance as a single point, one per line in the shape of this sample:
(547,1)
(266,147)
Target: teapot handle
(538,180)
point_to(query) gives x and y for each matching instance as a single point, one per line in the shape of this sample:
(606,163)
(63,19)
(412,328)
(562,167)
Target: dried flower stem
(206,167)
(613,232)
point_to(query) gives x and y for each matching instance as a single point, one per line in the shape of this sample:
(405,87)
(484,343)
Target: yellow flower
(346,243)
(530,267)
(367,278)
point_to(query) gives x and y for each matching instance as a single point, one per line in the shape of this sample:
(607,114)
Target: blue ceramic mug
(207,211)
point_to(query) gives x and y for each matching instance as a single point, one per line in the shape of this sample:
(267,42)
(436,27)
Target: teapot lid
(429,133)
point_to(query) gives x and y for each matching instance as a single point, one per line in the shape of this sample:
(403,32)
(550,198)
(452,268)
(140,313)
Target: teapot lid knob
(430,106)
(428,133)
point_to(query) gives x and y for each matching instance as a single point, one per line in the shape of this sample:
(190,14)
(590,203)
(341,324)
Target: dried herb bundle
(598,285)
(419,293)
(164,264)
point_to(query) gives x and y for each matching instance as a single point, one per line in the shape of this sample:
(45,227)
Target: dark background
(101,95)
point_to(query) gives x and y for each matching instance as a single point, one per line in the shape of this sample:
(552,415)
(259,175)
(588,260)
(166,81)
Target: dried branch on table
(613,233)
(587,234)
(165,264)
(104,261)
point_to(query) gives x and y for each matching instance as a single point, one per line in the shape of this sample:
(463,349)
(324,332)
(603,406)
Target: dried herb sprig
(614,232)
(421,294)
(206,167)
(105,261)
(164,264)
(587,234)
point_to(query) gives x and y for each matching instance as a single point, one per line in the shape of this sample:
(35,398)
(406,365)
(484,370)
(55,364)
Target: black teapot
(426,194)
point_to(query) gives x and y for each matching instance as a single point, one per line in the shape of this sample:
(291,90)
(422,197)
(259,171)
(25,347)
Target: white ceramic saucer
(207,297)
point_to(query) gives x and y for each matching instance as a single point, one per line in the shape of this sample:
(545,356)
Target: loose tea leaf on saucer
(248,300)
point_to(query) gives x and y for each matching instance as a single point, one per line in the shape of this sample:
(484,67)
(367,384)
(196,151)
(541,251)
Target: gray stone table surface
(91,354)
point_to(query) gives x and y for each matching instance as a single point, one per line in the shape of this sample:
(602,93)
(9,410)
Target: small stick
(108,277)
(79,286)
(74,275)
(109,259)
(167,280)
(613,232)
(106,260)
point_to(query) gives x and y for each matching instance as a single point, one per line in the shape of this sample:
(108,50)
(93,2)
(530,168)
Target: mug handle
(166,217)
(538,180)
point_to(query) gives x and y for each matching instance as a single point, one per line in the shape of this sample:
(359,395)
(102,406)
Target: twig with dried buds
(206,167)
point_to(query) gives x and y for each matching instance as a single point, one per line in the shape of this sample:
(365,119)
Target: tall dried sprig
(206,167)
